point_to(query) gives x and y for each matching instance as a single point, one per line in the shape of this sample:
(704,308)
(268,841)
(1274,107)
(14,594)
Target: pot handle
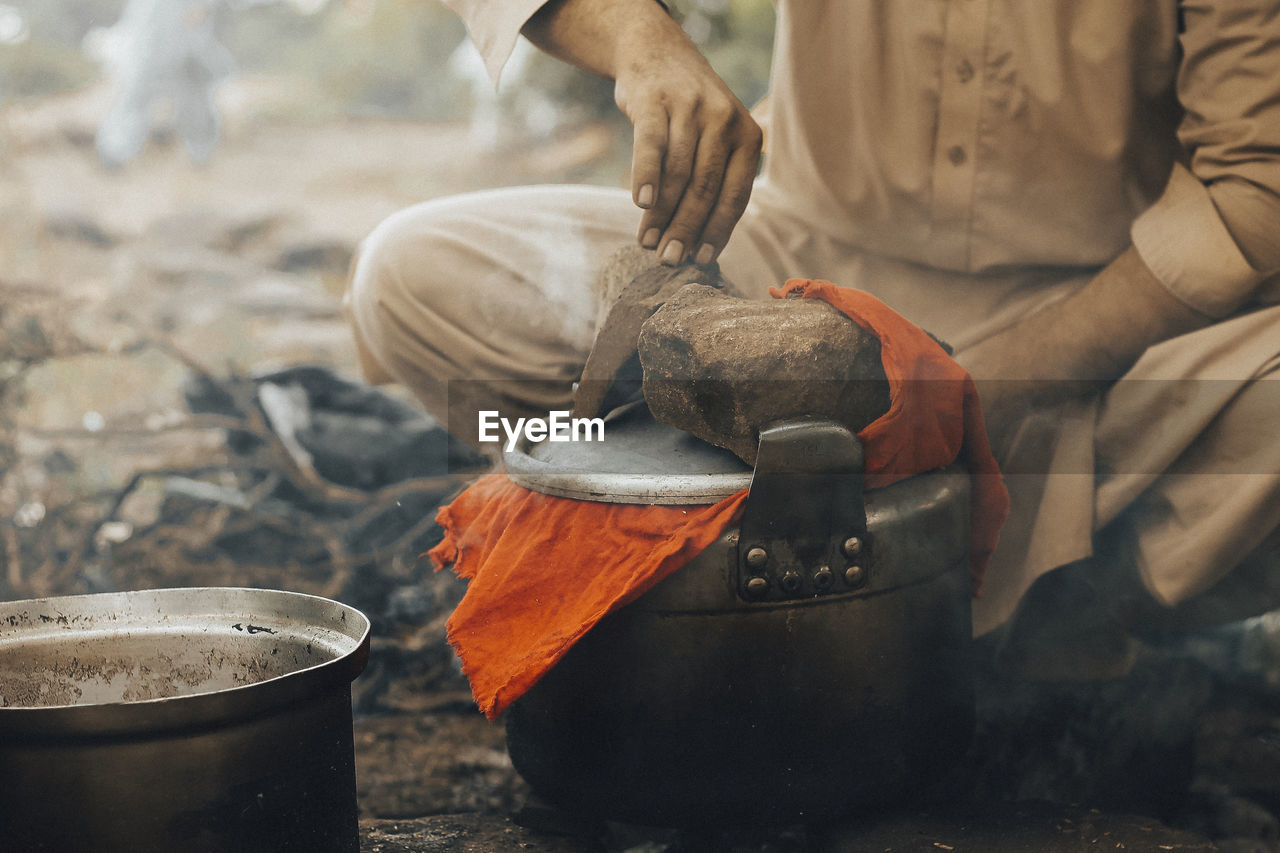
(804,527)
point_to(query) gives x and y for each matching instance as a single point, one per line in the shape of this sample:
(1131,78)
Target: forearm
(1079,344)
(601,36)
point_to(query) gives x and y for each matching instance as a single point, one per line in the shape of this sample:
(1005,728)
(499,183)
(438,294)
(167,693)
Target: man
(168,52)
(1069,192)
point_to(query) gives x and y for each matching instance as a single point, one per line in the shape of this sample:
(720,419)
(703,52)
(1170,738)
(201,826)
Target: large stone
(721,367)
(633,284)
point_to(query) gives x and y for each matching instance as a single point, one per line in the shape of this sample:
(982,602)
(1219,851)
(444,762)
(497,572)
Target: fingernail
(651,237)
(645,197)
(705,254)
(674,253)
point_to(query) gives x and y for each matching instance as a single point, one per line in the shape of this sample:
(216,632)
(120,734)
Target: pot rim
(340,629)
(639,461)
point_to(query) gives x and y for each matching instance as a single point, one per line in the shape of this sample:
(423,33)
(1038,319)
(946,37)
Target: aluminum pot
(814,662)
(182,719)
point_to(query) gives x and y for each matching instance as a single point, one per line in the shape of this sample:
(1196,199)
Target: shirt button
(964,71)
(956,155)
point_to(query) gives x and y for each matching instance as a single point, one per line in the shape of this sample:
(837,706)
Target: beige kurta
(968,161)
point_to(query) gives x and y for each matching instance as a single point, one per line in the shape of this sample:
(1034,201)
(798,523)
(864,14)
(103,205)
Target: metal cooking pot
(179,719)
(812,663)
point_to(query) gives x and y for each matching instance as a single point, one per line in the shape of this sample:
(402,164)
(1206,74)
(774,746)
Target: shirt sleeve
(1213,235)
(494,26)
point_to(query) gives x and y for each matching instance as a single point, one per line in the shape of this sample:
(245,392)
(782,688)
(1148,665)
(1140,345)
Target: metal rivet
(957,155)
(852,546)
(791,582)
(854,576)
(756,557)
(823,579)
(757,587)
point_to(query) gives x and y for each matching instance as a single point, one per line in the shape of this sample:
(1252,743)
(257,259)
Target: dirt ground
(115,287)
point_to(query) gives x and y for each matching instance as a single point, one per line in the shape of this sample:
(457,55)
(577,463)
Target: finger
(648,150)
(731,203)
(699,199)
(677,166)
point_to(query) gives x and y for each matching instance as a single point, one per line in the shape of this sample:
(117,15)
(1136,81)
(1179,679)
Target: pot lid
(639,461)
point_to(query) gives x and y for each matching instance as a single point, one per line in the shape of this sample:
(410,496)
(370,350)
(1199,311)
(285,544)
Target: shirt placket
(955,146)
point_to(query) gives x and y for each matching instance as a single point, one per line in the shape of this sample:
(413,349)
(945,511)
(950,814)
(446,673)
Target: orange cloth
(544,570)
(929,424)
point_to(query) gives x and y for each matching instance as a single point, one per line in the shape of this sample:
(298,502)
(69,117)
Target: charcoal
(353,434)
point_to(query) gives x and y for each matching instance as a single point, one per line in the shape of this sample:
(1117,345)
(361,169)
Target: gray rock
(315,256)
(80,227)
(721,368)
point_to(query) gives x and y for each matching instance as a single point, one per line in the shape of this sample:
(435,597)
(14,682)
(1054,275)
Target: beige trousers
(489,301)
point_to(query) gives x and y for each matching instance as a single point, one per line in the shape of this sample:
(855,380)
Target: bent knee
(390,253)
(403,285)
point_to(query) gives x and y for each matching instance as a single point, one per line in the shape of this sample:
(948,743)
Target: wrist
(602,37)
(646,36)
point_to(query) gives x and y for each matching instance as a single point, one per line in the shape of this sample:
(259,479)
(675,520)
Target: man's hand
(1076,346)
(696,146)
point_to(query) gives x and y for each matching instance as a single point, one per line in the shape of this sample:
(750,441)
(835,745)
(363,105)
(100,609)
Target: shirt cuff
(494,27)
(1185,244)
